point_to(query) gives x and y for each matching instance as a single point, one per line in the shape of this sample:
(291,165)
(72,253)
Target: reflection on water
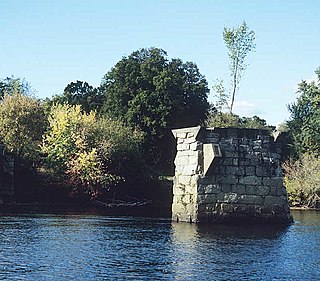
(228,252)
(92,247)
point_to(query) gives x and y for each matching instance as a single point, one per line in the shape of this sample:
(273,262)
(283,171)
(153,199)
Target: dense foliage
(155,94)
(224,120)
(22,122)
(12,85)
(304,124)
(88,140)
(81,149)
(302,177)
(79,93)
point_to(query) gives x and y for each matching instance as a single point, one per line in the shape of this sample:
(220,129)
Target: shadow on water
(208,231)
(249,252)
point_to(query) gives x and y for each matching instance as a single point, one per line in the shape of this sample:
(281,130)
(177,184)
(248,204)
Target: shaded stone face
(225,175)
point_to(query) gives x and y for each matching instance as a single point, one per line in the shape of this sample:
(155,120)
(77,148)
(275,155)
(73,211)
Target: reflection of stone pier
(228,175)
(6,174)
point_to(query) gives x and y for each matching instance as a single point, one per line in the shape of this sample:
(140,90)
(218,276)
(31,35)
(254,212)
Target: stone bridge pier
(228,175)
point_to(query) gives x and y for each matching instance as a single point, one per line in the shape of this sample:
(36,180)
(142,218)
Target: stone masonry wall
(244,180)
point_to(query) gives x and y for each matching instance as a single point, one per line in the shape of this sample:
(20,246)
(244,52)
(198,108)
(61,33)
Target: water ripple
(92,247)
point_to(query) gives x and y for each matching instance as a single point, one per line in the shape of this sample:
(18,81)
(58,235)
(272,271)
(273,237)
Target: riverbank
(88,208)
(304,209)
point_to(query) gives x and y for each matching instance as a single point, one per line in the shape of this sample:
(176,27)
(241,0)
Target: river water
(96,247)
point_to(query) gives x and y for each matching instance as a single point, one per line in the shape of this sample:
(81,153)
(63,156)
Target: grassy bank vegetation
(302,180)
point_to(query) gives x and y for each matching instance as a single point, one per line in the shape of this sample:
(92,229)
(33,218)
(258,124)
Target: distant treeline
(97,143)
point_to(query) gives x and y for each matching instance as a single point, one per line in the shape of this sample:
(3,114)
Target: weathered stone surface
(195,146)
(178,207)
(231,154)
(250,170)
(246,184)
(263,172)
(281,191)
(212,188)
(189,140)
(182,135)
(207,180)
(226,208)
(231,170)
(206,198)
(189,170)
(181,160)
(227,179)
(250,199)
(222,170)
(184,180)
(188,153)
(183,146)
(193,160)
(191,135)
(191,188)
(227,161)
(230,197)
(226,188)
(187,198)
(251,189)
(178,190)
(239,189)
(252,180)
(243,161)
(263,190)
(274,200)
(179,170)
(255,161)
(276,181)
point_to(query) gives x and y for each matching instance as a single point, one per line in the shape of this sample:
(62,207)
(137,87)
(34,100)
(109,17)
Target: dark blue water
(93,247)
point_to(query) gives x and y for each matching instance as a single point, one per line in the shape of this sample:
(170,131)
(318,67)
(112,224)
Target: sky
(51,43)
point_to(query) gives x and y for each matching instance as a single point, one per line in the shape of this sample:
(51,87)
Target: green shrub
(89,154)
(225,120)
(302,180)
(70,154)
(22,122)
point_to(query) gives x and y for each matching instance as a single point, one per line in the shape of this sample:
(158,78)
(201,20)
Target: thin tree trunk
(234,85)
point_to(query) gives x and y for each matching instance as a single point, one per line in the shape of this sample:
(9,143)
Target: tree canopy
(11,85)
(22,123)
(79,93)
(151,92)
(155,94)
(239,42)
(304,123)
